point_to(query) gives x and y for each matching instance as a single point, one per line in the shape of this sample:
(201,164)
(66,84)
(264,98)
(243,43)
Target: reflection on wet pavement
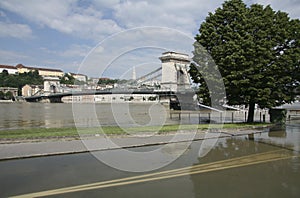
(263,165)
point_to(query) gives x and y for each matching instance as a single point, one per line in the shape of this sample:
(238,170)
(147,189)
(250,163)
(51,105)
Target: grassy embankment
(36,133)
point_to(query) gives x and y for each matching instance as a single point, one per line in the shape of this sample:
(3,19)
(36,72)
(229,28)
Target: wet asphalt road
(267,166)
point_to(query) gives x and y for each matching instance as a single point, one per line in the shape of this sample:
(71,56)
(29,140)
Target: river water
(57,115)
(240,166)
(49,115)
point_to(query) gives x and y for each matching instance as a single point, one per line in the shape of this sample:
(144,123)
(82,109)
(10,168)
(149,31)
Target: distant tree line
(19,80)
(6,96)
(31,78)
(107,81)
(68,79)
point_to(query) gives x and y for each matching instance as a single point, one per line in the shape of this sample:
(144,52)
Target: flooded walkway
(263,165)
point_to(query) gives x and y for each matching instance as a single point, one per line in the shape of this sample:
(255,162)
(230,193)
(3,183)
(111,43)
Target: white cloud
(11,57)
(182,15)
(99,19)
(90,20)
(119,53)
(79,51)
(19,31)
(105,4)
(64,16)
(3,15)
(74,51)
(292,7)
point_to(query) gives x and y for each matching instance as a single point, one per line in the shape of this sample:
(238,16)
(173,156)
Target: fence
(260,115)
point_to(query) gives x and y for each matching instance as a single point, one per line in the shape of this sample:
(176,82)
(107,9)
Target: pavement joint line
(201,168)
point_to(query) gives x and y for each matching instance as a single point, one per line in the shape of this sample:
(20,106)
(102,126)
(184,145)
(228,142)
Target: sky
(104,38)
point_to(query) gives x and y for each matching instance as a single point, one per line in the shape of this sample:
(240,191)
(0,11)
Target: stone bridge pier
(175,78)
(51,85)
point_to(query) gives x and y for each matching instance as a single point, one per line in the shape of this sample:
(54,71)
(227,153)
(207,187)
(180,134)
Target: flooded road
(264,165)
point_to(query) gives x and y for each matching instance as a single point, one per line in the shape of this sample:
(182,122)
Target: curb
(223,134)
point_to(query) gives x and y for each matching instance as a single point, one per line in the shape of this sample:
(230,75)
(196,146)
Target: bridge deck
(58,96)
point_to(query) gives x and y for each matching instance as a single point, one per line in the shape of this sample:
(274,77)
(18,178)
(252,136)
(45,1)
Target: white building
(79,77)
(42,71)
(9,69)
(31,90)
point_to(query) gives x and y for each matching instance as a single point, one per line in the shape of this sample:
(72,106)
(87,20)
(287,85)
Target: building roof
(167,56)
(38,68)
(7,67)
(293,106)
(74,74)
(30,85)
(9,88)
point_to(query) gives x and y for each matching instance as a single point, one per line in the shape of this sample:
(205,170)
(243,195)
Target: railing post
(259,116)
(221,115)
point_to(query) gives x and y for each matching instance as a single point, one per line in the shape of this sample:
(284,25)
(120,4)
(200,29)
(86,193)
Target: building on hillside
(31,90)
(65,88)
(93,81)
(42,71)
(10,69)
(104,87)
(79,77)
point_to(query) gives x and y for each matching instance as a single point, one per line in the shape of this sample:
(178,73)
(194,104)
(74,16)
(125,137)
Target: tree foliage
(67,79)
(107,81)
(19,80)
(2,95)
(257,52)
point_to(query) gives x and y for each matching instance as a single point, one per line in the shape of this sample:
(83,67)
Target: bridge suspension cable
(149,74)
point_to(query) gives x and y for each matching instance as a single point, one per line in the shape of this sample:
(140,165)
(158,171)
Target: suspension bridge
(173,80)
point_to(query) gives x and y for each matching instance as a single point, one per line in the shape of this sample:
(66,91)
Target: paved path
(69,146)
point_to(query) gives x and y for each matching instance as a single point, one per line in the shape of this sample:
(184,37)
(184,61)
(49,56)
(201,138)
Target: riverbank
(39,146)
(70,133)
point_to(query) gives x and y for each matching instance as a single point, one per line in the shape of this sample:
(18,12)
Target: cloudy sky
(104,37)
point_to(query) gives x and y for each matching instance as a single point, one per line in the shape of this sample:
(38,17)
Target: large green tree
(257,51)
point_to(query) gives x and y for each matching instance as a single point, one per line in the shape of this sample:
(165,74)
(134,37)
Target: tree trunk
(251,112)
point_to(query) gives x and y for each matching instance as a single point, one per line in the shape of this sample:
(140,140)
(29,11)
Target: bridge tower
(51,85)
(174,71)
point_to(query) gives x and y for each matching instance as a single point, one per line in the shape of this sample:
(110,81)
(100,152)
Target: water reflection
(279,178)
(272,179)
(286,137)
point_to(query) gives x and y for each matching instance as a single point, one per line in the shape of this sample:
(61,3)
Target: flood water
(56,115)
(241,166)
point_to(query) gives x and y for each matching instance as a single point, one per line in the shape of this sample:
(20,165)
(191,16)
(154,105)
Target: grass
(36,133)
